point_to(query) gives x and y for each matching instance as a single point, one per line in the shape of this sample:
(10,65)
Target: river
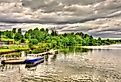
(91,66)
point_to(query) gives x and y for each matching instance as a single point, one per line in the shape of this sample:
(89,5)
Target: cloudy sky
(100,18)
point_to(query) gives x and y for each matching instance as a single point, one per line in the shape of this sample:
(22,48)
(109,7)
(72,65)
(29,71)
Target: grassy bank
(13,48)
(5,51)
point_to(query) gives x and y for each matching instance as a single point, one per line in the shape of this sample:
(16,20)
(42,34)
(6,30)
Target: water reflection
(48,58)
(72,66)
(8,67)
(74,50)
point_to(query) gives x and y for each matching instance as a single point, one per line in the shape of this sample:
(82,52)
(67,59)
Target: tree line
(43,38)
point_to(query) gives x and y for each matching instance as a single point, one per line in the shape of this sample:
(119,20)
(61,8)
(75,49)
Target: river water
(91,66)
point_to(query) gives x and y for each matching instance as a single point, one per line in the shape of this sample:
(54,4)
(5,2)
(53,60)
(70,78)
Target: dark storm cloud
(91,16)
(57,11)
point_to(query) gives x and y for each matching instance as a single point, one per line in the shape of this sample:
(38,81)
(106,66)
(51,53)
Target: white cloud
(89,16)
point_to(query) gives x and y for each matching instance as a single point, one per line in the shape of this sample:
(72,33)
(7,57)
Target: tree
(8,34)
(47,30)
(14,30)
(81,34)
(99,41)
(34,41)
(30,30)
(27,36)
(0,34)
(65,41)
(42,29)
(22,40)
(39,35)
(85,36)
(19,30)
(36,29)
(17,37)
(65,34)
(54,33)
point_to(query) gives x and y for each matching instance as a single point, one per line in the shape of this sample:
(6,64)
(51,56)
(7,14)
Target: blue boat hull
(29,65)
(34,61)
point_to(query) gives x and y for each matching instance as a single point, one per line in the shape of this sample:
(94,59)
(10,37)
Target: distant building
(2,43)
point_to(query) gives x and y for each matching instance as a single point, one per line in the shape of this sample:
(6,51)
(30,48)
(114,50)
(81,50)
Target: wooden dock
(51,52)
(15,61)
(21,60)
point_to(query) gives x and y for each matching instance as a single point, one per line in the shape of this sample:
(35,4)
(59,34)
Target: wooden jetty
(51,52)
(13,61)
(22,60)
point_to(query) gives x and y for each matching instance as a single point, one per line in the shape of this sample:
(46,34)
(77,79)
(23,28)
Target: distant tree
(30,30)
(14,30)
(0,34)
(72,41)
(34,41)
(65,41)
(22,40)
(30,45)
(72,33)
(91,37)
(99,39)
(47,30)
(85,36)
(36,29)
(8,34)
(81,34)
(17,37)
(54,33)
(42,29)
(65,34)
(27,35)
(78,39)
(19,30)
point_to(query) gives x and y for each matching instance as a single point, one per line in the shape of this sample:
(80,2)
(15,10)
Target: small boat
(34,61)
(29,65)
(13,61)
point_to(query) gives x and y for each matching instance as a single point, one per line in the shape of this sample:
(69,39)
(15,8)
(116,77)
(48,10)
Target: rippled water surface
(92,66)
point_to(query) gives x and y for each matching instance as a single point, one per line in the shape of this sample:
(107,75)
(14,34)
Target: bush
(22,40)
(33,41)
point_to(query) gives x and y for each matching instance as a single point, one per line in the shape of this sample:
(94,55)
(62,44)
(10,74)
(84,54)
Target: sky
(100,18)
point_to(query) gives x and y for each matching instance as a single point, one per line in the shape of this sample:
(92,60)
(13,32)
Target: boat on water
(30,60)
(34,61)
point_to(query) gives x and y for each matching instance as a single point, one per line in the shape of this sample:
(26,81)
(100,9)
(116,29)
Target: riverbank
(6,51)
(112,46)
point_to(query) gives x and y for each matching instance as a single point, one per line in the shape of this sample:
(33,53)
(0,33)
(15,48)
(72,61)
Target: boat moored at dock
(34,61)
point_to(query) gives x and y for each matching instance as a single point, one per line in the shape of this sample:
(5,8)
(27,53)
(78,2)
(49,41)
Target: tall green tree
(42,29)
(19,31)
(18,37)
(14,30)
(8,34)
(33,41)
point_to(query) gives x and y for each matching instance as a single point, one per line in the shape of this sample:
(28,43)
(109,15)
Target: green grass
(7,39)
(11,48)
(6,50)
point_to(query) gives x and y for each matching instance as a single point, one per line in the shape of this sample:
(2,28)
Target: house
(5,43)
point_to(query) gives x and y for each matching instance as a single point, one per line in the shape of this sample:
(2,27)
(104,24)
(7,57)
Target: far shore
(112,46)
